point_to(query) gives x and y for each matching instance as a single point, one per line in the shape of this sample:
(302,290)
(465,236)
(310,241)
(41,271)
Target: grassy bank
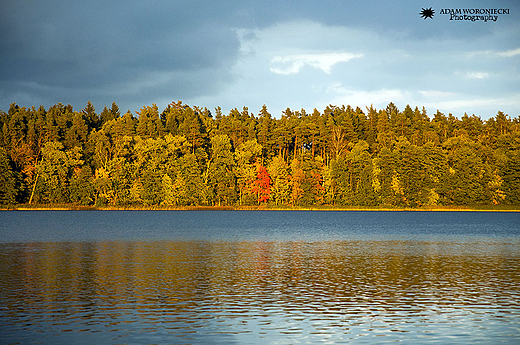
(56,207)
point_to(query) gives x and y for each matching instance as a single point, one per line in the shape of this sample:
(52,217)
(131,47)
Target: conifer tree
(149,125)
(264,129)
(91,118)
(338,156)
(8,180)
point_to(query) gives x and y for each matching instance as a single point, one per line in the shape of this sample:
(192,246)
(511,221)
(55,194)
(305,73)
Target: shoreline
(482,208)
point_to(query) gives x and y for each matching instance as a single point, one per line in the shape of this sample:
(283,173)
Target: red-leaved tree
(262,184)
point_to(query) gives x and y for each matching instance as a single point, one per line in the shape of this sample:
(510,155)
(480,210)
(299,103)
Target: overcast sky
(297,54)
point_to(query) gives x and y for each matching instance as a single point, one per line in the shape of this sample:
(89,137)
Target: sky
(297,54)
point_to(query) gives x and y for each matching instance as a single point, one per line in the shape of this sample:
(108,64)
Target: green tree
(353,177)
(174,193)
(385,135)
(77,133)
(81,186)
(280,189)
(329,185)
(338,142)
(194,129)
(402,124)
(149,125)
(8,180)
(190,179)
(265,132)
(310,133)
(128,123)
(371,126)
(282,134)
(361,175)
(89,113)
(182,181)
(510,175)
(149,169)
(297,180)
(503,123)
(384,176)
(466,178)
(323,134)
(414,179)
(173,116)
(55,170)
(58,120)
(109,114)
(247,155)
(221,178)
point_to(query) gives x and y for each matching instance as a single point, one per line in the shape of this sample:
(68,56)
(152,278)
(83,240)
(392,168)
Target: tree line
(190,156)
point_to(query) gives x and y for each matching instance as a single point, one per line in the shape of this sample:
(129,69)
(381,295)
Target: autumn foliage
(262,184)
(191,156)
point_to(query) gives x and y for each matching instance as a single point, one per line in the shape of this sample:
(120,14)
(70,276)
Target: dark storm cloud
(137,53)
(84,47)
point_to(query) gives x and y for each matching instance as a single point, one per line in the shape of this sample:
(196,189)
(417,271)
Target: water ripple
(255,291)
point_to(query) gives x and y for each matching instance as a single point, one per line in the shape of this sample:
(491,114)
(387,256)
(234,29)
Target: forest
(191,156)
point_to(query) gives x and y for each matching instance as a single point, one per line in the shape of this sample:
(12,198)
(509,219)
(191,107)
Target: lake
(259,277)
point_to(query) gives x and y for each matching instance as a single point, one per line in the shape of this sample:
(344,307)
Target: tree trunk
(33,188)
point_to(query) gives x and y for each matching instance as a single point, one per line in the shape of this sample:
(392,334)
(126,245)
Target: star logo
(427,13)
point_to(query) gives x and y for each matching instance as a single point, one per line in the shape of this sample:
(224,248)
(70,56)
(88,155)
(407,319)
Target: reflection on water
(260,292)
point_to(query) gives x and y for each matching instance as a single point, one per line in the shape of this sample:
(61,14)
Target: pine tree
(8,180)
(510,174)
(91,118)
(77,133)
(264,129)
(149,125)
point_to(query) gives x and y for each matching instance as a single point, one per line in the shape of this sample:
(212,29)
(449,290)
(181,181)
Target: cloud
(460,103)
(509,53)
(292,64)
(311,53)
(382,67)
(445,101)
(477,75)
(113,51)
(505,53)
(342,95)
(435,94)
(232,54)
(464,104)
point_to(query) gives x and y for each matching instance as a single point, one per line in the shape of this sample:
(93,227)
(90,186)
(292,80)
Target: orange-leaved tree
(262,184)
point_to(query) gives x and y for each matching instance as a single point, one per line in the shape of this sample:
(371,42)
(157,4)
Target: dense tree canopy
(185,156)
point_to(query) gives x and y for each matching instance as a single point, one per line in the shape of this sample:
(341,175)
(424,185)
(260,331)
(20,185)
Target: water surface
(48,226)
(208,277)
